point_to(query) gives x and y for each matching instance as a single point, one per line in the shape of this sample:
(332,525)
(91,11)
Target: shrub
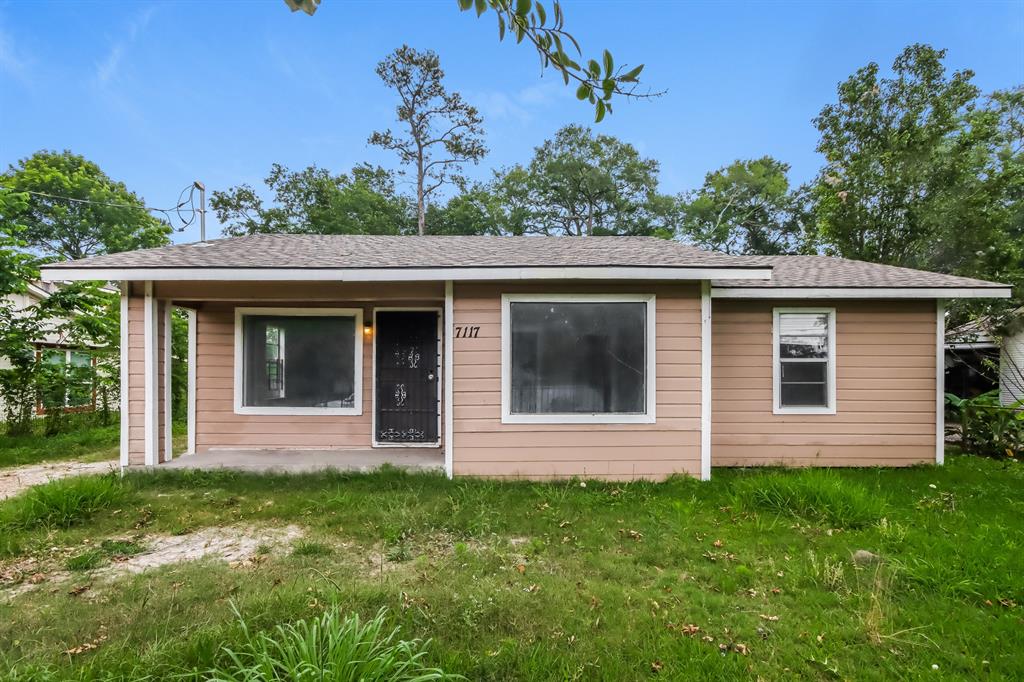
(61,503)
(818,494)
(328,647)
(988,428)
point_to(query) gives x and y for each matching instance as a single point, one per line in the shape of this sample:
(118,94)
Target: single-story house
(534,357)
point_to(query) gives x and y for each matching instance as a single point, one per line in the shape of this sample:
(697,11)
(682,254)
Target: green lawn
(749,576)
(85,441)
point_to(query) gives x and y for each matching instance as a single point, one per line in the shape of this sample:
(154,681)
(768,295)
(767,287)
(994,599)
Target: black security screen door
(407,377)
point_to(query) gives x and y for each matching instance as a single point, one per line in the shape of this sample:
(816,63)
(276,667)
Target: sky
(160,94)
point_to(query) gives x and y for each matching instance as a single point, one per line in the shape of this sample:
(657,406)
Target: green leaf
(481,7)
(609,65)
(631,75)
(465,4)
(583,92)
(541,14)
(608,86)
(501,28)
(600,111)
(523,7)
(594,68)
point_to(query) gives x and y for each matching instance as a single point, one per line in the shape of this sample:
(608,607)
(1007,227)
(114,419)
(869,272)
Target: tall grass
(61,503)
(329,648)
(814,494)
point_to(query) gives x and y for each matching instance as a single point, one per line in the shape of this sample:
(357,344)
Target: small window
(804,361)
(75,385)
(572,359)
(298,362)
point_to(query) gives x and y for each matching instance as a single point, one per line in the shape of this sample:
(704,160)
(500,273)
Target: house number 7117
(467,332)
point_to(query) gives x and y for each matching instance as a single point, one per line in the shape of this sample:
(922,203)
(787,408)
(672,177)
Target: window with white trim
(304,361)
(804,360)
(578,358)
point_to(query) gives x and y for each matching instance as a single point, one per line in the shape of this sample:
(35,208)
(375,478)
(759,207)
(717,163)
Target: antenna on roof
(202,209)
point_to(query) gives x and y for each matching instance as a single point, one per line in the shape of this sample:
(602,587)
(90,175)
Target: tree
(314,201)
(895,154)
(579,184)
(71,209)
(444,132)
(744,208)
(527,20)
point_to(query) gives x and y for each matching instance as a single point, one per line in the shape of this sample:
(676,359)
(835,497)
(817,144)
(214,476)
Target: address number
(467,332)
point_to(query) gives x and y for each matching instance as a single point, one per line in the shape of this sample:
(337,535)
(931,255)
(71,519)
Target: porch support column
(125,422)
(151,382)
(191,381)
(940,381)
(449,379)
(167,452)
(705,380)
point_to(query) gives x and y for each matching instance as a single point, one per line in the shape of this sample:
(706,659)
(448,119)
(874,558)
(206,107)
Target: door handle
(430,377)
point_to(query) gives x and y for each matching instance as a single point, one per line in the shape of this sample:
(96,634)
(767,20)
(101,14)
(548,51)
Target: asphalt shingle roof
(397,252)
(840,273)
(371,251)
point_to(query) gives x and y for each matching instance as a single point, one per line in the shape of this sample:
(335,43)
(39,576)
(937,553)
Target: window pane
(803,395)
(803,335)
(802,372)
(80,359)
(298,361)
(578,358)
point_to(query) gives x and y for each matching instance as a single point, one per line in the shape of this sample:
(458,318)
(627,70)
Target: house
(534,357)
(52,347)
(977,346)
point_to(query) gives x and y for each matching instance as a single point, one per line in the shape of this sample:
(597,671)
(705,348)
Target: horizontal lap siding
(217,425)
(136,379)
(484,446)
(885,388)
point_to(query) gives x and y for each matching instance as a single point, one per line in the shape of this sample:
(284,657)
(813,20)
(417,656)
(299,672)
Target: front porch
(306,461)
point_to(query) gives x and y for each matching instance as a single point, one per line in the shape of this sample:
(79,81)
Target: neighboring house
(535,357)
(53,348)
(972,346)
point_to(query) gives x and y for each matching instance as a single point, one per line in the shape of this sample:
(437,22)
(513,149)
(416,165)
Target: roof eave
(69,273)
(860,292)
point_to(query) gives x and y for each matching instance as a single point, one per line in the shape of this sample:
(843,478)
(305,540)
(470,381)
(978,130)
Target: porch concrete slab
(305,461)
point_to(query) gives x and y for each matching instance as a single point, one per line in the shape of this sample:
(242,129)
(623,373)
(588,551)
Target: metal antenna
(202,209)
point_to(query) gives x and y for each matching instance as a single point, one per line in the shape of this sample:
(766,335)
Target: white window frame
(356,409)
(507,417)
(777,407)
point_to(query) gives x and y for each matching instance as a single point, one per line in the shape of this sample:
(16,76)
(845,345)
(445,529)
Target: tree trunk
(421,211)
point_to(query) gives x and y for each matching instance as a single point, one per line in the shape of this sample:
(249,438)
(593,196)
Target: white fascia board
(400,274)
(857,292)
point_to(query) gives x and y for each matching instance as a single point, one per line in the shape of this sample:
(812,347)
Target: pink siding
(484,446)
(885,388)
(136,378)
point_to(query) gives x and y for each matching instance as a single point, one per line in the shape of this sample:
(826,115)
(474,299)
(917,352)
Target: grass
(532,581)
(86,441)
(62,503)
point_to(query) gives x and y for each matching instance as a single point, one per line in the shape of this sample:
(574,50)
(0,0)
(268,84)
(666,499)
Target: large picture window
(298,361)
(578,358)
(804,361)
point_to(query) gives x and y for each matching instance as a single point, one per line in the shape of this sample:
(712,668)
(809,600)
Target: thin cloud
(12,62)
(108,68)
(521,106)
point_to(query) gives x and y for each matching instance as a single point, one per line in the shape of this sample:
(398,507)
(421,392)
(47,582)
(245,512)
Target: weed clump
(62,503)
(816,494)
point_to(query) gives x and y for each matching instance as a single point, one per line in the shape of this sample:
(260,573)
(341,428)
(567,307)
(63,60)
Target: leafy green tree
(528,20)
(581,184)
(71,209)
(442,132)
(476,211)
(315,201)
(744,208)
(895,154)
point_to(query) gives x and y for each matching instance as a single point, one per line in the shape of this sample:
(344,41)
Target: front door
(407,376)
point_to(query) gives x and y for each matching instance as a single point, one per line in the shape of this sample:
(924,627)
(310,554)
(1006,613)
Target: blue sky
(161,93)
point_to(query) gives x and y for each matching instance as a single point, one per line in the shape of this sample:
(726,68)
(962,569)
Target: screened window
(296,363)
(578,358)
(804,346)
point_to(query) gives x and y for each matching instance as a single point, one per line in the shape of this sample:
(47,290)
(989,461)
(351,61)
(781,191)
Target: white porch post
(151,383)
(940,381)
(168,451)
(124,373)
(191,381)
(449,379)
(705,380)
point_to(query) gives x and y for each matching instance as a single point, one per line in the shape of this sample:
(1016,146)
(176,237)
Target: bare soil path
(17,479)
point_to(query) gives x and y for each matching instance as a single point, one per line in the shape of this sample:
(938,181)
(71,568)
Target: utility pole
(202,209)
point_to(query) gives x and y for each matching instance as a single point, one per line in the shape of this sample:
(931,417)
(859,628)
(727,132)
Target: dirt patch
(17,479)
(233,544)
